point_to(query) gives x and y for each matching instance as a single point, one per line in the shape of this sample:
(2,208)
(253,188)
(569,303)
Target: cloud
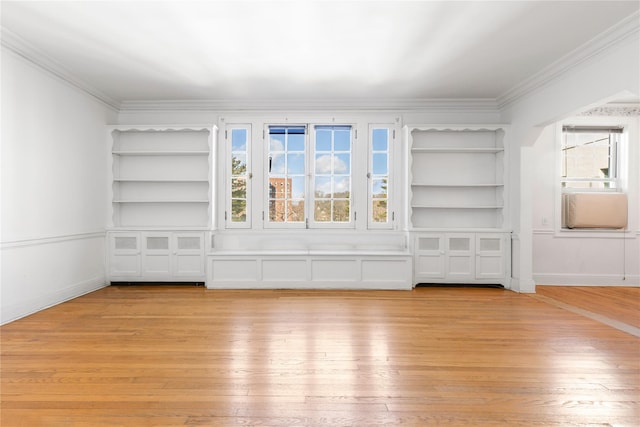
(325,163)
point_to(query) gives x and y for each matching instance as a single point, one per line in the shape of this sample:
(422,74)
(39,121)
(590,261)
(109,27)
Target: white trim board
(566,279)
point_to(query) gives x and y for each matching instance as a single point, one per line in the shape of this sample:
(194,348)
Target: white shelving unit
(161,177)
(458,202)
(457,177)
(160,201)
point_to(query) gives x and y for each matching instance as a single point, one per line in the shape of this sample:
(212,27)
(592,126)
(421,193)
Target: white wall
(604,75)
(584,257)
(53,189)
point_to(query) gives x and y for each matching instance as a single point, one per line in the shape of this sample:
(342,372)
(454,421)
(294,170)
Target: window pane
(379,164)
(324,163)
(342,163)
(341,210)
(276,142)
(238,210)
(380,139)
(239,188)
(322,211)
(341,187)
(342,140)
(238,164)
(276,210)
(297,187)
(379,188)
(295,142)
(296,211)
(322,187)
(238,140)
(379,210)
(586,155)
(323,140)
(277,163)
(295,164)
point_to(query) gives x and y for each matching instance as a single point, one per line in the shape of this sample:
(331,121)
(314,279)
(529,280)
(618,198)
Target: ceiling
(315,50)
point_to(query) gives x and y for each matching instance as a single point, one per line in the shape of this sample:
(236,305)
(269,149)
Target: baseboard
(41,302)
(586,280)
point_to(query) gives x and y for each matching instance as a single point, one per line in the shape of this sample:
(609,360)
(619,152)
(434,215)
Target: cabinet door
(460,257)
(156,259)
(490,256)
(188,254)
(124,254)
(429,257)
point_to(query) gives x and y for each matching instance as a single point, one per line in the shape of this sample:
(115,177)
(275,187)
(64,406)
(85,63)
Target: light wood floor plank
(178,356)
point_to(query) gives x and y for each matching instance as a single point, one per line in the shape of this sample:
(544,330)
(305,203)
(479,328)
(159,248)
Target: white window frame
(309,201)
(312,145)
(615,162)
(228,177)
(265,187)
(391,130)
(626,154)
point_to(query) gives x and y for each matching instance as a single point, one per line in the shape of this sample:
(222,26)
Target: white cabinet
(461,258)
(156,256)
(160,176)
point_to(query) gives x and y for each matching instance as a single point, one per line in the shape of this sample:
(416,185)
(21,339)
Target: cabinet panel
(188,254)
(430,257)
(490,258)
(156,255)
(125,254)
(460,257)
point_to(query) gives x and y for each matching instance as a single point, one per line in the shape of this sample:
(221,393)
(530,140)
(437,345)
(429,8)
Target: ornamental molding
(613,111)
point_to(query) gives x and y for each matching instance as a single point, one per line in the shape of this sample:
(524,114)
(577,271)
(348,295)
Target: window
(309,176)
(332,174)
(379,164)
(238,200)
(287,176)
(589,158)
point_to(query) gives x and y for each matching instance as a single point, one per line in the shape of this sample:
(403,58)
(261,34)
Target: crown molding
(336,104)
(625,29)
(22,48)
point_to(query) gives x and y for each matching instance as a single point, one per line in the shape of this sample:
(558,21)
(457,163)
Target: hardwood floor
(177,356)
(618,303)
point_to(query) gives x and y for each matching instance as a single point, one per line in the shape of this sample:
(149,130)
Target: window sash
(379,183)
(331,187)
(286,176)
(570,171)
(238,182)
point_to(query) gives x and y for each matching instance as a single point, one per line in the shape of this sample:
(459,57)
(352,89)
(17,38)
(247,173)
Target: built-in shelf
(161,177)
(457,177)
